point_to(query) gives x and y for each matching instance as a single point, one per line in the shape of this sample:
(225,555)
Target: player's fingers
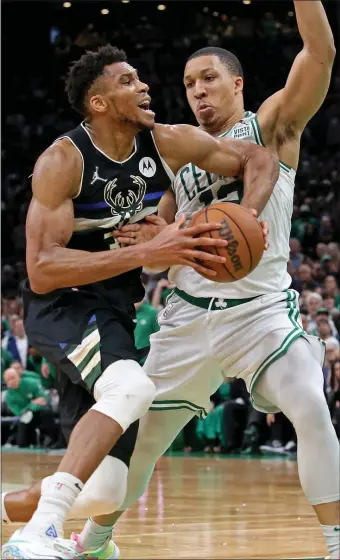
(254,212)
(265,231)
(203,270)
(130,227)
(203,256)
(156,220)
(206,241)
(127,234)
(127,241)
(264,226)
(198,266)
(201,228)
(179,223)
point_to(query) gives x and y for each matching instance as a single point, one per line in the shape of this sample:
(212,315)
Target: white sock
(332,536)
(57,498)
(94,536)
(5,518)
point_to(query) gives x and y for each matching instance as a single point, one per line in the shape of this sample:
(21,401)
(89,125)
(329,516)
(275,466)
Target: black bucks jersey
(115,193)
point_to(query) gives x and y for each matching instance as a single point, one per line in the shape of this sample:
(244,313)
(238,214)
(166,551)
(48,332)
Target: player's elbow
(39,285)
(324,54)
(40,281)
(267,161)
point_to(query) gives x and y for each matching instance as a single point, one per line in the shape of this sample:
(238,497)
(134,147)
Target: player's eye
(209,78)
(189,85)
(126,80)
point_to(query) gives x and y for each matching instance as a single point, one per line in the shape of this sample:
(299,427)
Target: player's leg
(20,505)
(157,430)
(122,393)
(178,363)
(294,384)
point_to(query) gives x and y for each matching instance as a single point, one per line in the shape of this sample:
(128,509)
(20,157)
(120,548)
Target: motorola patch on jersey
(147,166)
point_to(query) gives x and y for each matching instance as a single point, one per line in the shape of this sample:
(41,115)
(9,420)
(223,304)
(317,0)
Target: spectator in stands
(296,257)
(161,292)
(305,278)
(314,302)
(6,360)
(17,343)
(325,332)
(26,399)
(146,325)
(332,289)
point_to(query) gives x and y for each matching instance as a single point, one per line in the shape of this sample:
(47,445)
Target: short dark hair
(84,72)
(228,58)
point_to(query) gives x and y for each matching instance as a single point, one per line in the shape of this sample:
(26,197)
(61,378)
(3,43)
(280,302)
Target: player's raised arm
(51,265)
(292,107)
(259,167)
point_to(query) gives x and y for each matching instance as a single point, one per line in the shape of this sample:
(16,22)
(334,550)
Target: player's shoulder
(61,156)
(173,132)
(61,152)
(59,166)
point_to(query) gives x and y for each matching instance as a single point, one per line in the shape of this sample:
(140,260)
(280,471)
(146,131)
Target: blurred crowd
(158,43)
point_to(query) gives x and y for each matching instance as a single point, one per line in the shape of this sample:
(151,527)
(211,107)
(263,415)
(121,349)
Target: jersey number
(223,192)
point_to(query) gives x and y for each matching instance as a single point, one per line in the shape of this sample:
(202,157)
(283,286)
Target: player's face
(211,90)
(124,97)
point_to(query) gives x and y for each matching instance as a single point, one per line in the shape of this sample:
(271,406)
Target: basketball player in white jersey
(250,328)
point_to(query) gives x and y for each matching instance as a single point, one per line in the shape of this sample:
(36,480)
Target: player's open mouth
(145,106)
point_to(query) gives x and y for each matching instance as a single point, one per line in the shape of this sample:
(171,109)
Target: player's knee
(124,392)
(312,412)
(105,490)
(102,502)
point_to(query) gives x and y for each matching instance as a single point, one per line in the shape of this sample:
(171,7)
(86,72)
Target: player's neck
(115,143)
(226,124)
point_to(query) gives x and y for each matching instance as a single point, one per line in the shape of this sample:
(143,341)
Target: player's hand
(176,245)
(264,226)
(133,234)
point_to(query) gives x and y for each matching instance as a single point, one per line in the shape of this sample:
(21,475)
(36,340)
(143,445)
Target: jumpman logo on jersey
(96,177)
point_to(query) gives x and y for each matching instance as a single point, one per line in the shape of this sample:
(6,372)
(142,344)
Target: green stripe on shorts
(296,332)
(86,356)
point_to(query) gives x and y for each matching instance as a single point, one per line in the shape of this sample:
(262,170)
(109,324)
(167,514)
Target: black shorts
(81,333)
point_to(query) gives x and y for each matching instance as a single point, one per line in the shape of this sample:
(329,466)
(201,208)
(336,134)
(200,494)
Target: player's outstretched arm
(51,265)
(259,167)
(288,111)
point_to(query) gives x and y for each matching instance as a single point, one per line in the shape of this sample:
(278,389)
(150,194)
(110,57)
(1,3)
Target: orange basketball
(244,235)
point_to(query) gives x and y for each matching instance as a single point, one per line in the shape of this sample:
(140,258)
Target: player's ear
(98,104)
(238,84)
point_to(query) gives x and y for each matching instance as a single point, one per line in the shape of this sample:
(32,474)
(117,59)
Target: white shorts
(197,347)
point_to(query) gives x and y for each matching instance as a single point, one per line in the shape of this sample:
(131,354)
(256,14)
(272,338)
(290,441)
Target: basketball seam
(244,237)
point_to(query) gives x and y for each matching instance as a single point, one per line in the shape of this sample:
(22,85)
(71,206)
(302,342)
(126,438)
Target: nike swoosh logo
(336,528)
(78,486)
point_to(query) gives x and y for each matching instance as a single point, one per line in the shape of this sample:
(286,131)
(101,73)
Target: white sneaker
(29,546)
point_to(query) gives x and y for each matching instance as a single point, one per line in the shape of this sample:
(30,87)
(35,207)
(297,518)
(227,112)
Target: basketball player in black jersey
(79,301)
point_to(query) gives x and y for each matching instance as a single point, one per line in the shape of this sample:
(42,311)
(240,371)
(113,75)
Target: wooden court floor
(205,507)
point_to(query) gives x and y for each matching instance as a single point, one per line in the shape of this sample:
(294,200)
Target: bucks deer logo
(125,203)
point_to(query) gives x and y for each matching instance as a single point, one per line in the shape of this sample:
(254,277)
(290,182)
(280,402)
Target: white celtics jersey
(195,189)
